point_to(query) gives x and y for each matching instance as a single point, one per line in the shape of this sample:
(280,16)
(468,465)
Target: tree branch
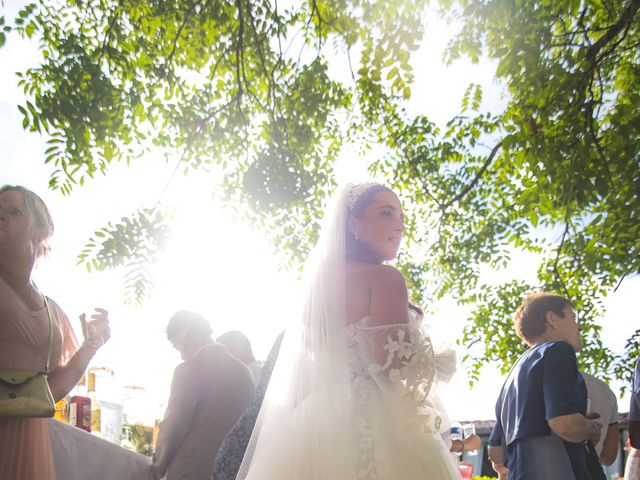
(112,21)
(239,60)
(179,32)
(473,182)
(314,5)
(556,271)
(214,70)
(626,17)
(622,277)
(594,135)
(269,73)
(239,48)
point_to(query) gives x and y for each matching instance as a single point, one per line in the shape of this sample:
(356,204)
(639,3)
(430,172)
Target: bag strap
(46,305)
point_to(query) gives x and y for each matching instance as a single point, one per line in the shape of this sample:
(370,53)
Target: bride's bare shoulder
(378,291)
(375,276)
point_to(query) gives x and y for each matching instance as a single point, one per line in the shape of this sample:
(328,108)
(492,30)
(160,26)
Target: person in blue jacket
(541,426)
(634,409)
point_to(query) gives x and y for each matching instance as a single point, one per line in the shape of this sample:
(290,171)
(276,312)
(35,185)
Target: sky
(216,265)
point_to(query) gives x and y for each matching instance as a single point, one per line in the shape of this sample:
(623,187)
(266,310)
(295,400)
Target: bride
(351,393)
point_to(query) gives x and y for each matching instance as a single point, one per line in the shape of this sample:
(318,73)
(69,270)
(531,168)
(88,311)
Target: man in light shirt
(603,401)
(632,469)
(209,392)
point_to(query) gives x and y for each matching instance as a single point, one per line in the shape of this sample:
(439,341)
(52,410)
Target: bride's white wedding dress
(393,424)
(398,421)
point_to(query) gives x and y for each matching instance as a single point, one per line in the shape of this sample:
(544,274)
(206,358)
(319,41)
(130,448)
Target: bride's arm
(388,314)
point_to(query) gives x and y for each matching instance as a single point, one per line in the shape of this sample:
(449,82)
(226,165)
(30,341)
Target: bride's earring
(355,234)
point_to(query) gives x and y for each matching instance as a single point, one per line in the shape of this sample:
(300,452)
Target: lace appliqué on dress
(392,368)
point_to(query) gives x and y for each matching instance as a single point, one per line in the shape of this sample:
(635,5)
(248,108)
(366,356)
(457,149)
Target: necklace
(33,300)
(24,289)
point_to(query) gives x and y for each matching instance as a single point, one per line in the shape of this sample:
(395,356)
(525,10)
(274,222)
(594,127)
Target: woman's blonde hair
(40,216)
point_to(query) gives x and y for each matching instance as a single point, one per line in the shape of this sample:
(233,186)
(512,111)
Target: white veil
(303,429)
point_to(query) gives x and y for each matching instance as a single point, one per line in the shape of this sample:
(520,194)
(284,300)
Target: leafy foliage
(141,438)
(3,30)
(249,86)
(559,179)
(241,84)
(135,242)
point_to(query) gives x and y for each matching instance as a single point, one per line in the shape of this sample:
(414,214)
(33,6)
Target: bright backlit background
(214,264)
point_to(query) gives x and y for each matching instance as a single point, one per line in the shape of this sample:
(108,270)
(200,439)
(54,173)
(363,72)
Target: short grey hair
(235,338)
(184,321)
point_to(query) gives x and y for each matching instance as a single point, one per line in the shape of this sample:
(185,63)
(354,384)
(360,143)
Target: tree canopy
(248,85)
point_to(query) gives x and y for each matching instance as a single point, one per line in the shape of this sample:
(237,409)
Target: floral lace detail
(392,361)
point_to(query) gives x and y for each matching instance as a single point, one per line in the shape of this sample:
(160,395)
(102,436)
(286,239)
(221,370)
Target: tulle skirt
(376,444)
(25,450)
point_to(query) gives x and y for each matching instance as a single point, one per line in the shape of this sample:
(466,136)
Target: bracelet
(93,343)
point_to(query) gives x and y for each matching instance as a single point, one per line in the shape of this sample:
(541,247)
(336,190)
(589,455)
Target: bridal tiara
(356,191)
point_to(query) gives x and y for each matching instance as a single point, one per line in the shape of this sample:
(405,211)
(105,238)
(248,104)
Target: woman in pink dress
(25,227)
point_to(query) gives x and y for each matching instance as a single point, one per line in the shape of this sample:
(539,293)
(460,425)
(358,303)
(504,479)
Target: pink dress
(25,451)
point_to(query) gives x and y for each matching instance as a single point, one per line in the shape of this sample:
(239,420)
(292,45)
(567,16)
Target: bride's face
(381,225)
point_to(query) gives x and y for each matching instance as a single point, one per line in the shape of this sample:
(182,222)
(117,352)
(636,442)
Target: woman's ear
(551,318)
(40,233)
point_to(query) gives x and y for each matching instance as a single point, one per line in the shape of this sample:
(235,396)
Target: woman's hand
(596,428)
(472,442)
(97,330)
(500,469)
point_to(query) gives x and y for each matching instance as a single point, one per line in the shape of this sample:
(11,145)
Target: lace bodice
(392,369)
(397,359)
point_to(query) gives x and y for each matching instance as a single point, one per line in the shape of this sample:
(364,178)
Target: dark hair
(530,318)
(418,310)
(356,249)
(184,321)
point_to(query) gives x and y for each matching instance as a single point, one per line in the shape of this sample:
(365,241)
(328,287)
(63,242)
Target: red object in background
(80,412)
(466,470)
